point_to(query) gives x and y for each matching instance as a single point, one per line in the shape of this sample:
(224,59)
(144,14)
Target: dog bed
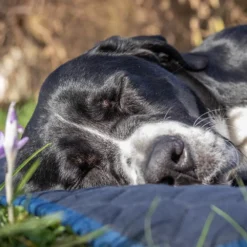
(178,217)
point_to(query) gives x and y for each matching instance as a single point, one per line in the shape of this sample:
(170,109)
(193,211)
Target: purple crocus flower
(10,144)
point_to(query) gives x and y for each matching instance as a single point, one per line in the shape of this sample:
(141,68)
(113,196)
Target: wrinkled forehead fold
(86,135)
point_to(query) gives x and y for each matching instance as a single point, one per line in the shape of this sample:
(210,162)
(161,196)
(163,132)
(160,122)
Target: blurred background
(36,36)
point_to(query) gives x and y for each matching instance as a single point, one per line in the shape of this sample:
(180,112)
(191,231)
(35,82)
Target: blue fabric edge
(82,224)
(79,223)
(237,243)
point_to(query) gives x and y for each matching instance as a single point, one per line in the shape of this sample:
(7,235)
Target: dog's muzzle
(170,162)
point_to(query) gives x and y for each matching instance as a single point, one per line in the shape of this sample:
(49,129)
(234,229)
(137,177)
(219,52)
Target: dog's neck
(203,93)
(231,122)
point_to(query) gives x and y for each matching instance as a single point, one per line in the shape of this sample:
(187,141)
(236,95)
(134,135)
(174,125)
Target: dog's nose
(168,150)
(167,154)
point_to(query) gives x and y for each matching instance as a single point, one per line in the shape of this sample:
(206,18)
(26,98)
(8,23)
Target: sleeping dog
(136,111)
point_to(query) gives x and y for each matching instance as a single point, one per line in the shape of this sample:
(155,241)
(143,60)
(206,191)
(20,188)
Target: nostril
(177,151)
(168,180)
(175,157)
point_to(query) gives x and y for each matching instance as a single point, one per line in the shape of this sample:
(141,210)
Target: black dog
(135,111)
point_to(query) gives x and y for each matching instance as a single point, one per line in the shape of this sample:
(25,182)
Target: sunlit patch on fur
(237,121)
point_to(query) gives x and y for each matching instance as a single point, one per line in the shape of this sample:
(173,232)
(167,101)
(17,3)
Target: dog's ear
(196,60)
(153,48)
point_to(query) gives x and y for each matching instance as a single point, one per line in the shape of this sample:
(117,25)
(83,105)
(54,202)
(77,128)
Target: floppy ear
(153,48)
(196,79)
(196,60)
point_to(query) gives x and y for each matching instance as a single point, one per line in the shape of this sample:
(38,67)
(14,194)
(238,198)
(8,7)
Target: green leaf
(20,167)
(148,219)
(83,239)
(27,176)
(205,230)
(242,188)
(29,225)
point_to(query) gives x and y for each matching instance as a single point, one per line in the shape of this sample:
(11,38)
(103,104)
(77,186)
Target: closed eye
(106,102)
(115,99)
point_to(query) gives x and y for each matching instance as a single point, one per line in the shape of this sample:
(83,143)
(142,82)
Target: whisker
(204,119)
(168,112)
(206,125)
(208,112)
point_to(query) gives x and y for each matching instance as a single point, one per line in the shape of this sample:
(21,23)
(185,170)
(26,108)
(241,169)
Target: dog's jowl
(132,111)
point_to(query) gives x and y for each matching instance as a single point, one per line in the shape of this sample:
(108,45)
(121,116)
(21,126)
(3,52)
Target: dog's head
(116,116)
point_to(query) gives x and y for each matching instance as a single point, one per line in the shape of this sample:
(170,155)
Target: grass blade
(205,230)
(27,176)
(84,239)
(230,220)
(20,167)
(29,225)
(148,218)
(242,188)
